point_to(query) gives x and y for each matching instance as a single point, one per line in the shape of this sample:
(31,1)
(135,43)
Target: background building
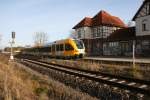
(94,31)
(107,35)
(142,19)
(120,42)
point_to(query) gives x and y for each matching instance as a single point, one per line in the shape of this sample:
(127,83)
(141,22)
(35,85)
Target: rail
(134,85)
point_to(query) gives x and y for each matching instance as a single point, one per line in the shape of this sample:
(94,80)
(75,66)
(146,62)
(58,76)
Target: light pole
(11,44)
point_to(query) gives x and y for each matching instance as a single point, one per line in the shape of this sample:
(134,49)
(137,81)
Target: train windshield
(79,44)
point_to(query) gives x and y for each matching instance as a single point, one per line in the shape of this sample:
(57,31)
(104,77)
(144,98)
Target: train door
(50,50)
(57,53)
(61,50)
(53,50)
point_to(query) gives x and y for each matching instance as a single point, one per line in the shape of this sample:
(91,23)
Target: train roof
(55,42)
(58,41)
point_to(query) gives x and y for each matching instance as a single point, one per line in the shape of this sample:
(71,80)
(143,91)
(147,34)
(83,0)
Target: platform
(137,60)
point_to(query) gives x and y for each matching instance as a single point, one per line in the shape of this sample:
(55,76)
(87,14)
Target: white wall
(139,21)
(85,32)
(76,34)
(88,32)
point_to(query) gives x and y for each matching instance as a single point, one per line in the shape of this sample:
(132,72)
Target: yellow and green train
(67,48)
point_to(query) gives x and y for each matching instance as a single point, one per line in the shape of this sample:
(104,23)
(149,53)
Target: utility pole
(11,44)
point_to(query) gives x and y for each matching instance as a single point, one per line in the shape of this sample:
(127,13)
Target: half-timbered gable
(144,10)
(142,19)
(100,26)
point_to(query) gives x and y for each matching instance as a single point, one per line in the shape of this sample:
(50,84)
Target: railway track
(100,73)
(134,85)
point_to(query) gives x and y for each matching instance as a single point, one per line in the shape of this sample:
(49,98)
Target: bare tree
(40,38)
(73,34)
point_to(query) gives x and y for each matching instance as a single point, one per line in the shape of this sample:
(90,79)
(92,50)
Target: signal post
(11,44)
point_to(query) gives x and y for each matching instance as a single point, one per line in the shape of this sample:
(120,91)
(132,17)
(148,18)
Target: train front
(80,51)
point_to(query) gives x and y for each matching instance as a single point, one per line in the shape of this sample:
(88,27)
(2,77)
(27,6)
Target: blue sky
(55,17)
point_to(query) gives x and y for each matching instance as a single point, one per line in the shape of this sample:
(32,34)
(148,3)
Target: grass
(123,70)
(77,64)
(13,86)
(20,83)
(4,58)
(41,90)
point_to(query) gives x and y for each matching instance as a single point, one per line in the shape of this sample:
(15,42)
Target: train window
(36,50)
(79,44)
(40,49)
(68,47)
(61,47)
(50,49)
(57,47)
(53,47)
(46,49)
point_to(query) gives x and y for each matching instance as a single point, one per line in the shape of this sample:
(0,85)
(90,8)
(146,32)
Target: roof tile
(123,34)
(102,18)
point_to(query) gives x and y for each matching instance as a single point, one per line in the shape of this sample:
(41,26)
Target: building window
(99,31)
(149,9)
(95,32)
(83,31)
(145,44)
(103,31)
(144,25)
(79,34)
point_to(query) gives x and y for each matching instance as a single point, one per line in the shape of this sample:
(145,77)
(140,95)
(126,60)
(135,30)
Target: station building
(140,34)
(107,35)
(142,19)
(94,31)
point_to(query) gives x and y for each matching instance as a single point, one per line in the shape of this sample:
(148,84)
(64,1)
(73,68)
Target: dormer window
(144,25)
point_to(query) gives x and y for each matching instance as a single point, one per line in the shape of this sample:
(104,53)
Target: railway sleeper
(93,88)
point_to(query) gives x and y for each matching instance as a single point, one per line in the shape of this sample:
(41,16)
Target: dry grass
(77,64)
(4,58)
(13,86)
(20,83)
(128,71)
(50,89)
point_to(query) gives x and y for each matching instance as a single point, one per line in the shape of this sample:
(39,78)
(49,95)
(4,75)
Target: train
(67,48)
